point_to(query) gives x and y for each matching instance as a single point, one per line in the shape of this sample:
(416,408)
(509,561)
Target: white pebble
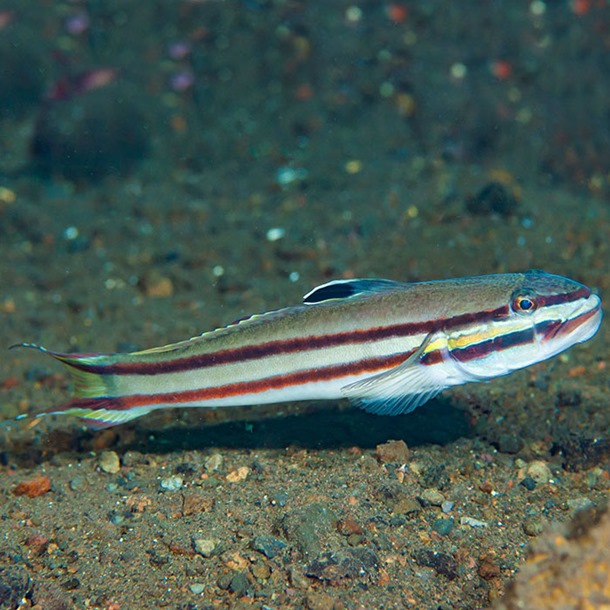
(173,483)
(197,588)
(472,522)
(205,546)
(287,175)
(275,233)
(214,462)
(539,471)
(70,233)
(109,462)
(447,506)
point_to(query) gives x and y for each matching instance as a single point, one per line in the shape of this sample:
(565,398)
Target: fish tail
(93,400)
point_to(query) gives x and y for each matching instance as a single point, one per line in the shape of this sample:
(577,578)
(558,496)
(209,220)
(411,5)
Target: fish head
(566,312)
(543,315)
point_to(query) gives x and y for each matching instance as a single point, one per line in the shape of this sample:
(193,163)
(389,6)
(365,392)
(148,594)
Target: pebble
(205,546)
(224,581)
(78,483)
(528,483)
(443,526)
(344,563)
(109,462)
(432,497)
(509,443)
(238,475)
(318,600)
(133,458)
(239,584)
(539,471)
(297,577)
(268,545)
(488,569)
(533,526)
(368,463)
(447,506)
(355,539)
(473,522)
(214,462)
(197,588)
(286,175)
(309,527)
(392,452)
(406,506)
(348,526)
(280,498)
(172,483)
(117,518)
(275,234)
(442,563)
(261,571)
(158,286)
(435,476)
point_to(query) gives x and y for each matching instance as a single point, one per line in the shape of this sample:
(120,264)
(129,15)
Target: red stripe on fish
(121,403)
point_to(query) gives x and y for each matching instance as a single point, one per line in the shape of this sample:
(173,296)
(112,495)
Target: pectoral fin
(401,389)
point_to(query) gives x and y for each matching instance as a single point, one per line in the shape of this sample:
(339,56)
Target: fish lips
(582,324)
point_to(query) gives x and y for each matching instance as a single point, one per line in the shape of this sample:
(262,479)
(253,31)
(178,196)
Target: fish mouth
(586,319)
(582,323)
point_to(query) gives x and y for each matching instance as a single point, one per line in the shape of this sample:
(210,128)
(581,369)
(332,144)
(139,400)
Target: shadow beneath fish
(324,428)
(309,426)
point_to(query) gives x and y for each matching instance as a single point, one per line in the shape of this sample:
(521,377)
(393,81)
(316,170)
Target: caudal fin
(93,399)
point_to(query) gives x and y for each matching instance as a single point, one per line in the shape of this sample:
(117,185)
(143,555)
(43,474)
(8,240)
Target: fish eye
(523,303)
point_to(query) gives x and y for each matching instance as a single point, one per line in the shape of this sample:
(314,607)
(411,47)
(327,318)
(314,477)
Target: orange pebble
(33,488)
(577,371)
(384,577)
(9,383)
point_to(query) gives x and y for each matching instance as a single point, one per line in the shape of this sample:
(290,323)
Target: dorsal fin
(345,289)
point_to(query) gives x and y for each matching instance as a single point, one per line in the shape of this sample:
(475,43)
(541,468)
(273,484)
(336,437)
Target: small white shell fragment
(172,483)
(287,175)
(275,233)
(473,522)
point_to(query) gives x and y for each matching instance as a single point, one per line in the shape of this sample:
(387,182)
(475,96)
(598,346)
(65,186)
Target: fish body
(387,345)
